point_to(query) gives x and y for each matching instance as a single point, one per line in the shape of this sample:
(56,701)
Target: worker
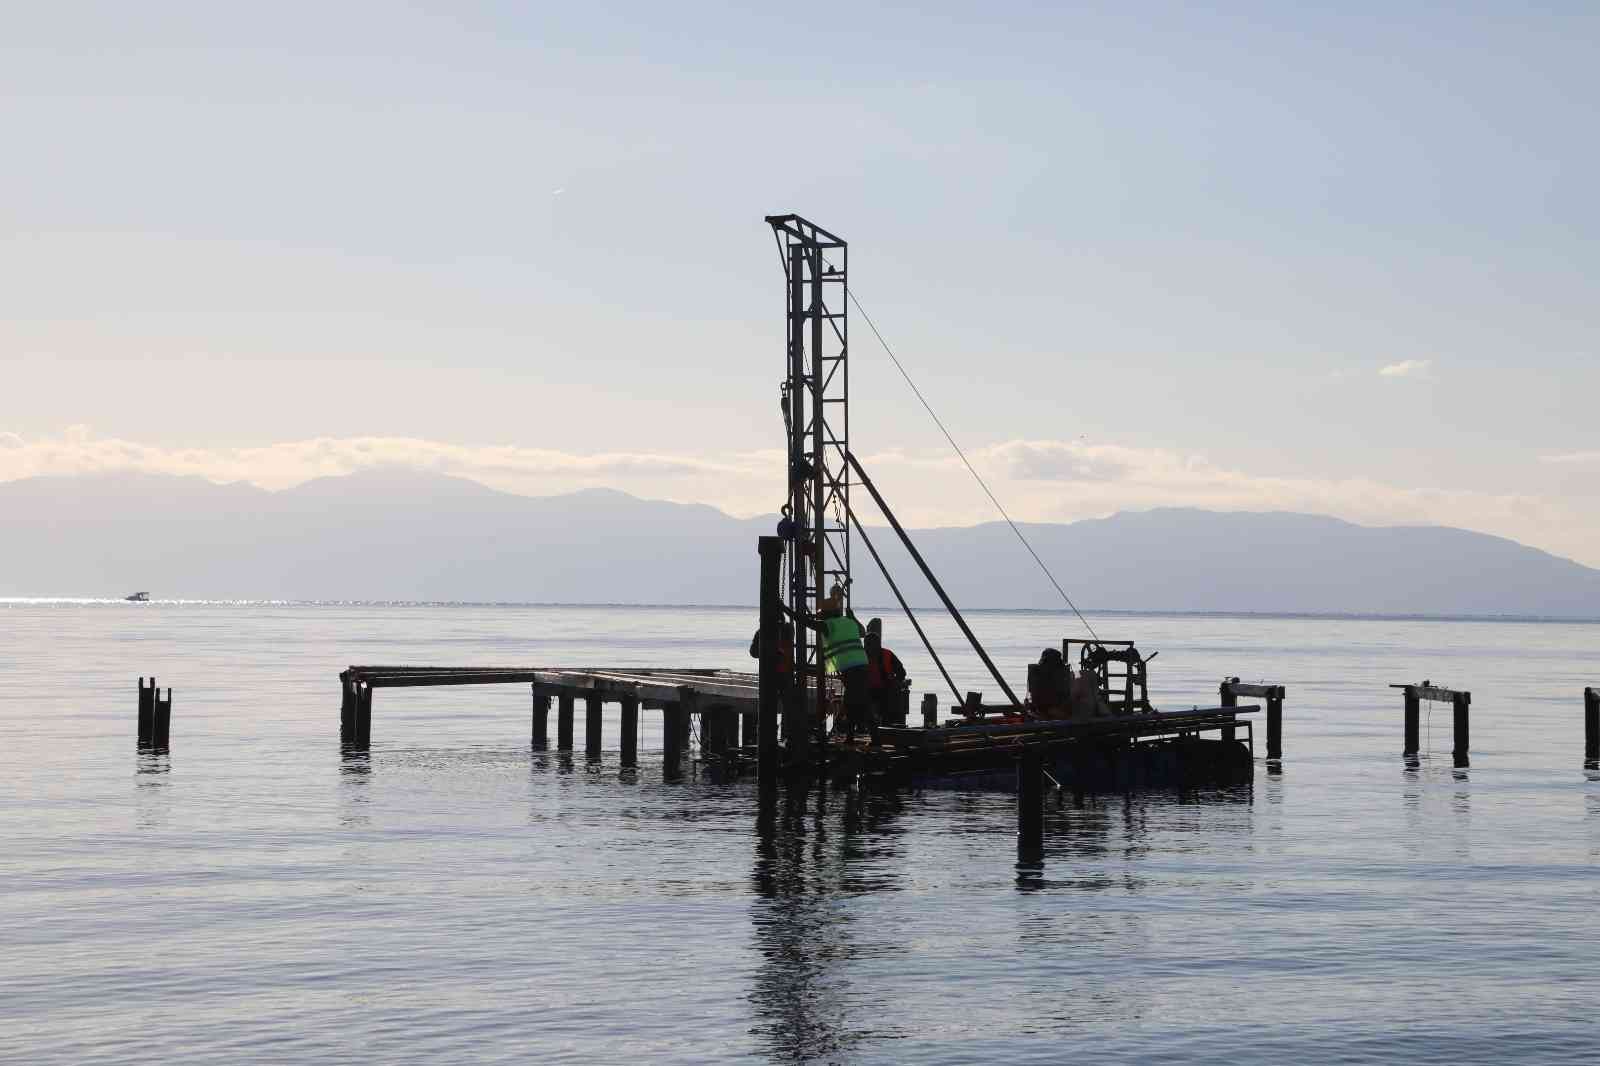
(1050,684)
(844,655)
(886,677)
(785,649)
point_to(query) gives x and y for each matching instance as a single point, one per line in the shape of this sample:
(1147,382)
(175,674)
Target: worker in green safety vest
(844,654)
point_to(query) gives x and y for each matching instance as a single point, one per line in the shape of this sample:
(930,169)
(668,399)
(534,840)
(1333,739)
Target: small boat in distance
(138,597)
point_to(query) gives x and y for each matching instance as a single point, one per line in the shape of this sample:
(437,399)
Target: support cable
(963,455)
(904,606)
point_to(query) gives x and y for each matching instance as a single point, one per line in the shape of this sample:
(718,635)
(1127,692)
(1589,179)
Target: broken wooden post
(161,734)
(363,723)
(630,730)
(593,710)
(1591,728)
(1459,704)
(346,708)
(564,720)
(539,734)
(1275,723)
(1413,721)
(930,710)
(1030,799)
(147,710)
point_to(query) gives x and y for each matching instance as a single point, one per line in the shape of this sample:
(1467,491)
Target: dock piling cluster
(155,716)
(1232,689)
(355,710)
(1460,703)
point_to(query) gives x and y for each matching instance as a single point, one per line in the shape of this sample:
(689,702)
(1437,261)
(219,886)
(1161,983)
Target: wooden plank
(1259,691)
(654,685)
(438,680)
(1433,693)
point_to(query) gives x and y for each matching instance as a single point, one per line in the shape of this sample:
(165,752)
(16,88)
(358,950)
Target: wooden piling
(161,718)
(1413,721)
(630,731)
(1030,799)
(1591,727)
(593,715)
(564,721)
(769,678)
(674,729)
(1228,698)
(539,735)
(1275,724)
(930,710)
(363,723)
(1460,704)
(147,710)
(714,722)
(347,708)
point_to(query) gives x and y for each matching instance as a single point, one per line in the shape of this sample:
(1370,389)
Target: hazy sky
(1274,257)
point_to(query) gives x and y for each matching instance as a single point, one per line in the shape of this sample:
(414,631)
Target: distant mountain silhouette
(407,535)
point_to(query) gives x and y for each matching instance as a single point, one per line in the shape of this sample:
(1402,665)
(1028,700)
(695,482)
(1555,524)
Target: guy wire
(963,455)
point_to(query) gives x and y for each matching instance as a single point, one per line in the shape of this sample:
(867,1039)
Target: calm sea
(254,896)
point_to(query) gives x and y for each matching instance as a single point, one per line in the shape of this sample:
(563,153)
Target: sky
(1261,257)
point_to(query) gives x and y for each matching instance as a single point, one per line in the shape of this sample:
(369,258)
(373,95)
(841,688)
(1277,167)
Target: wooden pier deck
(723,704)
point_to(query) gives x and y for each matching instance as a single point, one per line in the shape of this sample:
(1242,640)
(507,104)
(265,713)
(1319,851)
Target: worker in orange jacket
(886,677)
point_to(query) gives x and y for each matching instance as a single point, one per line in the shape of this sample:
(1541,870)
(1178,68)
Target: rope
(978,477)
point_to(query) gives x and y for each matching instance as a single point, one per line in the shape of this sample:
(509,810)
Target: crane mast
(816,399)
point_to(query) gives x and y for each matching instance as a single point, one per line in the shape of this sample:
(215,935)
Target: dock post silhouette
(1591,728)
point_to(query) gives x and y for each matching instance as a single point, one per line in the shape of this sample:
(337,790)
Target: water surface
(456,897)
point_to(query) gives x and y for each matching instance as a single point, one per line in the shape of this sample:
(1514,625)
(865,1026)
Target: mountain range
(393,534)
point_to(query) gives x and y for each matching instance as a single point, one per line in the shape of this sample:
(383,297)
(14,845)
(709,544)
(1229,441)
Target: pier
(722,707)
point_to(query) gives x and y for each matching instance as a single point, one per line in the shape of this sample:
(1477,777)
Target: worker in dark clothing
(785,649)
(1050,684)
(792,718)
(886,677)
(843,654)
(1053,691)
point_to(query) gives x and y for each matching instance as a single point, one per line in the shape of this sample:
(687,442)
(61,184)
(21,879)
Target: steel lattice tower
(816,395)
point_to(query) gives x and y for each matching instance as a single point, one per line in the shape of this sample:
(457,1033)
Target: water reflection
(799,994)
(153,761)
(151,785)
(355,777)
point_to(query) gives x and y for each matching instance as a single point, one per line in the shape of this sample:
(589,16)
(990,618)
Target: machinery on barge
(1104,707)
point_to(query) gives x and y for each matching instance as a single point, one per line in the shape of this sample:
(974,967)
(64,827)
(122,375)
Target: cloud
(747,481)
(1565,458)
(1406,368)
(1037,480)
(1062,481)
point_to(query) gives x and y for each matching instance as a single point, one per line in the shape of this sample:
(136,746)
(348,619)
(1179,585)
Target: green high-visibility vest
(841,644)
